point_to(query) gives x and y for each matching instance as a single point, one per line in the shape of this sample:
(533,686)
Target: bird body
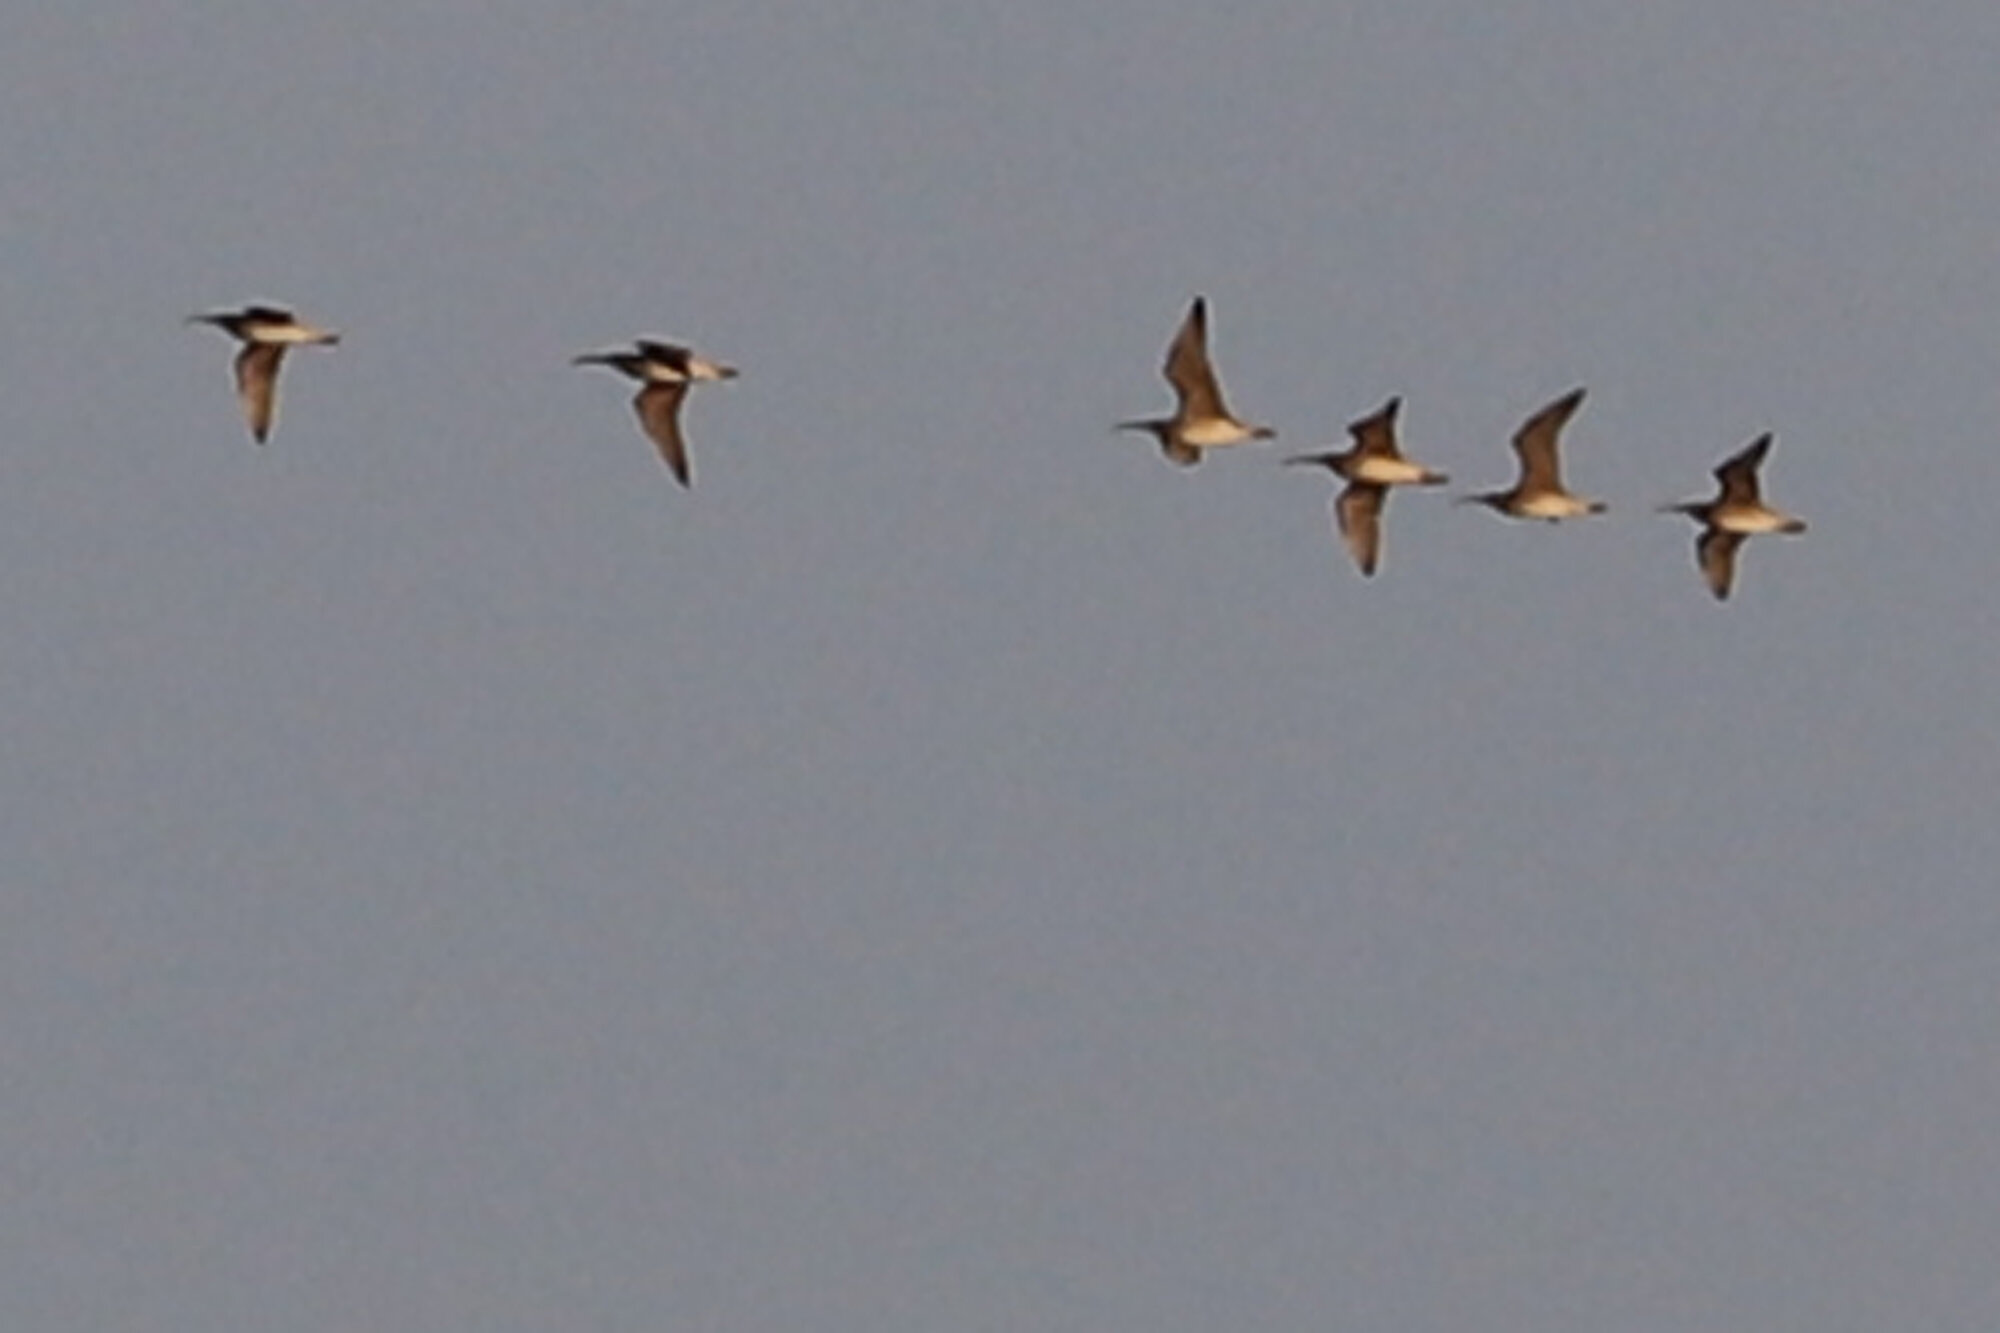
(670,361)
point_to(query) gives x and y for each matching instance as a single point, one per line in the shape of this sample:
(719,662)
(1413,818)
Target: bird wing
(1375,435)
(1535,442)
(1188,368)
(257,385)
(1357,513)
(1715,552)
(1738,475)
(659,409)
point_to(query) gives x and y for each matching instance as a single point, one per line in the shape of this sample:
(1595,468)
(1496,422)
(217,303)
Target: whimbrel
(1539,493)
(665,372)
(1370,467)
(265,332)
(1736,512)
(1201,420)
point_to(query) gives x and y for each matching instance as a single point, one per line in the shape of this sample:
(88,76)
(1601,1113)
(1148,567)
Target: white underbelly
(286,333)
(1551,505)
(1752,521)
(1388,472)
(1214,433)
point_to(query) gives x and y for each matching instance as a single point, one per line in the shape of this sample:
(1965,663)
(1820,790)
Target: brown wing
(1376,435)
(1357,512)
(257,385)
(659,409)
(1179,451)
(1188,370)
(1738,475)
(1535,442)
(1715,552)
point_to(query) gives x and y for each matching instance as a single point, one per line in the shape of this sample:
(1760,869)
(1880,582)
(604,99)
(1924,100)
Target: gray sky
(953,870)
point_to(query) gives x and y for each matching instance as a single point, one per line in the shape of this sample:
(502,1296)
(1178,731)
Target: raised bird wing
(1375,435)
(1188,369)
(1535,442)
(1738,475)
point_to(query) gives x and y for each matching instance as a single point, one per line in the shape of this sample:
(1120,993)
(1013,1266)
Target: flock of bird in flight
(664,372)
(1374,463)
(1371,466)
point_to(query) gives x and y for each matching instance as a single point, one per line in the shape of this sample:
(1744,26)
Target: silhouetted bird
(1539,493)
(265,332)
(1370,467)
(1736,512)
(1201,420)
(665,372)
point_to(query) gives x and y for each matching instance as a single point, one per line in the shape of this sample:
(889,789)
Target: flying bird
(665,372)
(1201,420)
(1370,466)
(1736,512)
(265,332)
(1539,492)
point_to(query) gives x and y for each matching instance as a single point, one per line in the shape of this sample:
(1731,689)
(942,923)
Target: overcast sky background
(953,870)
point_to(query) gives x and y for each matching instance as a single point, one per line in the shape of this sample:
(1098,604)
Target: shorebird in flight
(1370,467)
(1201,420)
(1736,512)
(1539,493)
(265,332)
(665,372)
